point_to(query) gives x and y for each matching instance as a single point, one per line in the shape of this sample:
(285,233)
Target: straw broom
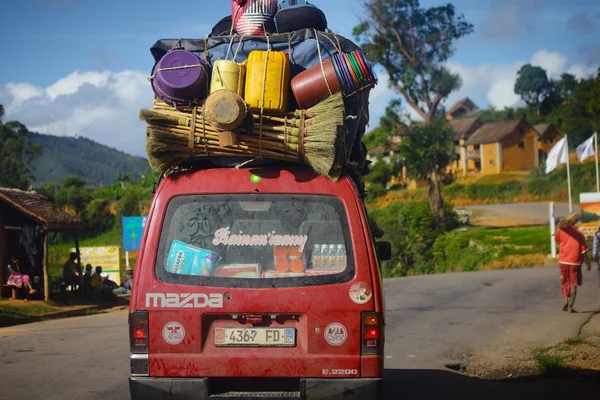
(320,129)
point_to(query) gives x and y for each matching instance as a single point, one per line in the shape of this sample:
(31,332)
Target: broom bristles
(324,148)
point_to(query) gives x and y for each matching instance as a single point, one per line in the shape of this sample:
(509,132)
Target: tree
(413,44)
(533,85)
(123,178)
(427,150)
(73,193)
(593,104)
(16,152)
(391,123)
(49,190)
(392,120)
(567,85)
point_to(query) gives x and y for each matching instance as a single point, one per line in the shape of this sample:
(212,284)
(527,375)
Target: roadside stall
(26,219)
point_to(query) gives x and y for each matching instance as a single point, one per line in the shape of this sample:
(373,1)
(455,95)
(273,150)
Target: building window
(521,144)
(477,147)
(491,163)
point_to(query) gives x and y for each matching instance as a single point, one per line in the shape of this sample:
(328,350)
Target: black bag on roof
(294,15)
(223,27)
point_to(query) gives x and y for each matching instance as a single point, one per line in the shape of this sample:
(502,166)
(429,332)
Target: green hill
(95,163)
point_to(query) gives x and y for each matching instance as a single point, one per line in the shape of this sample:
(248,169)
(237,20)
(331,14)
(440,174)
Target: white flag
(586,149)
(558,155)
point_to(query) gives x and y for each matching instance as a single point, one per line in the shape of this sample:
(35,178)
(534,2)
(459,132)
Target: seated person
(98,288)
(87,281)
(17,279)
(109,284)
(71,271)
(127,285)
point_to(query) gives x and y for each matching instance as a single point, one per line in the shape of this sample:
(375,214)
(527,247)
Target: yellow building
(463,130)
(547,138)
(502,146)
(462,108)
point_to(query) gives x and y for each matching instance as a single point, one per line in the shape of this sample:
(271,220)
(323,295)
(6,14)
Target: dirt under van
(257,283)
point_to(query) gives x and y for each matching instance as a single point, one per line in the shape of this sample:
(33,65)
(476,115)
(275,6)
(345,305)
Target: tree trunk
(436,202)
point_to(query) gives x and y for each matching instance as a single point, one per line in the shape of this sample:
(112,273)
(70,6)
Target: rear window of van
(255,241)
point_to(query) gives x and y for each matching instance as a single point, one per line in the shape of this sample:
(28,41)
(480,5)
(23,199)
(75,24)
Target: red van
(257,283)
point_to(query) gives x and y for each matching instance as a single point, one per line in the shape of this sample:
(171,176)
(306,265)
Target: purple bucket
(180,78)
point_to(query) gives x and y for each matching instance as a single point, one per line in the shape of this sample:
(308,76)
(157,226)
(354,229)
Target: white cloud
(22,92)
(583,71)
(73,82)
(486,84)
(102,106)
(553,62)
(492,83)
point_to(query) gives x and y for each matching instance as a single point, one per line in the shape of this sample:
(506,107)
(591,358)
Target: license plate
(255,337)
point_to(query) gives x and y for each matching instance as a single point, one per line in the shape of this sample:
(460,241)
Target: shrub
(412,229)
(540,187)
(375,190)
(453,252)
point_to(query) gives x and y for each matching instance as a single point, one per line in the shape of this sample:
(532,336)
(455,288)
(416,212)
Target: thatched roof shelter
(35,207)
(19,209)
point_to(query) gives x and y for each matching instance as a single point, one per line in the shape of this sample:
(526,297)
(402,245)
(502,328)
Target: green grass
(13,314)
(474,248)
(500,178)
(549,364)
(574,341)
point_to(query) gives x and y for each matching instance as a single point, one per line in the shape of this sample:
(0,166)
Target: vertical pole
(76,237)
(596,154)
(45,267)
(569,175)
(3,251)
(126,259)
(552,230)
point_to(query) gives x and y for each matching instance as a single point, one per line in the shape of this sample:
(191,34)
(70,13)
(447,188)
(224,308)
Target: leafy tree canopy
(533,85)
(427,150)
(413,44)
(16,152)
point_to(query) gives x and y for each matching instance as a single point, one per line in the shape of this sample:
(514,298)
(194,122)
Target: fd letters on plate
(255,337)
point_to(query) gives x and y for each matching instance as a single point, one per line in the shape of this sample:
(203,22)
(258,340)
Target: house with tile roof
(548,136)
(503,146)
(463,130)
(462,108)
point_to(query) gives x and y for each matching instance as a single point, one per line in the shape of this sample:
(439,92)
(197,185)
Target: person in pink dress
(16,278)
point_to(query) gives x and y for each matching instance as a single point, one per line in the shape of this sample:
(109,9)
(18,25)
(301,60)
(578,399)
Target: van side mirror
(384,250)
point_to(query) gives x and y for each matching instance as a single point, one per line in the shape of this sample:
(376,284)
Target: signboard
(590,212)
(133,229)
(111,259)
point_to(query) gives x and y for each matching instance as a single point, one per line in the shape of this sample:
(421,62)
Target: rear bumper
(310,389)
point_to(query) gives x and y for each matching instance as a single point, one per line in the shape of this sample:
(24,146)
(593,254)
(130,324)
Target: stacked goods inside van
(276,86)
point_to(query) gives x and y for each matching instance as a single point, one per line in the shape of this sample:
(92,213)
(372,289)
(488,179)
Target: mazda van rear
(257,283)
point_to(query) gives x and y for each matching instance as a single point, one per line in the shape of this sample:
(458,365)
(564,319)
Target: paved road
(516,214)
(429,318)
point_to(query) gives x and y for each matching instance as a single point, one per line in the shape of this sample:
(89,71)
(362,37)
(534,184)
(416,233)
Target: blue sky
(79,66)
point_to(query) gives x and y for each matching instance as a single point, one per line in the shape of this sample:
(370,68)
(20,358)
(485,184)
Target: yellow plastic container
(276,83)
(227,74)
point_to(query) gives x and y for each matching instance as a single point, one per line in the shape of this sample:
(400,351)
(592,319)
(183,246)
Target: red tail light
(372,333)
(138,332)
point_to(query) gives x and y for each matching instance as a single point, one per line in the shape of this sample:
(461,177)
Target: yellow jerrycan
(227,74)
(275,83)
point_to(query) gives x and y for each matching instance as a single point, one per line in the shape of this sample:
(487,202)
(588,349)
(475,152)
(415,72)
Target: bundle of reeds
(315,136)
